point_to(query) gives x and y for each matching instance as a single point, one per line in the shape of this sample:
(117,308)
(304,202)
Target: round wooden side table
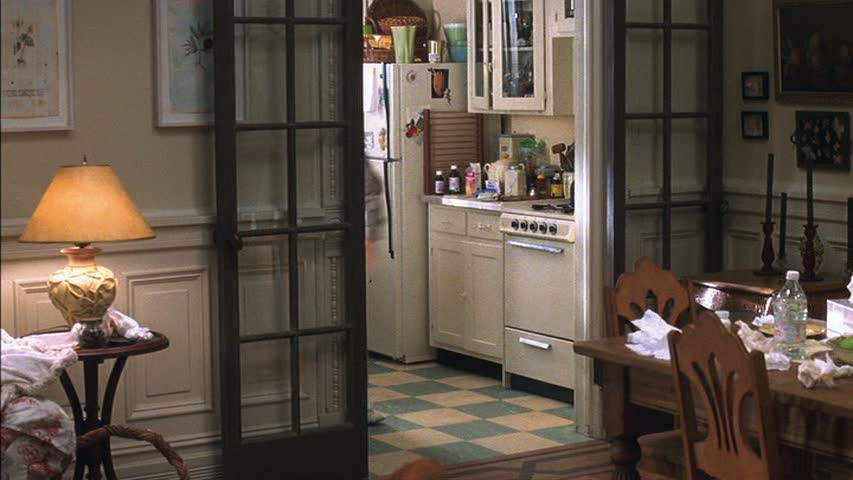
(96,416)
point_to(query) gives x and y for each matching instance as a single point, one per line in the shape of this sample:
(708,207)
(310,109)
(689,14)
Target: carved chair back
(711,363)
(648,287)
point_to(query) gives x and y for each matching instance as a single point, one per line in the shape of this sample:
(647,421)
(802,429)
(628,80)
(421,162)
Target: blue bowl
(459,53)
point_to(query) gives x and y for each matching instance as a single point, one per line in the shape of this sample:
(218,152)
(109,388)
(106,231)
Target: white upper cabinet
(561,14)
(520,56)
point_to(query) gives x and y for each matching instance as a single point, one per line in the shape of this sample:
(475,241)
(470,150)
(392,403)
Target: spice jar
(543,186)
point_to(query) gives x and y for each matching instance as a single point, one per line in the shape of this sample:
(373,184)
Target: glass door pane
(520,61)
(290,238)
(479,53)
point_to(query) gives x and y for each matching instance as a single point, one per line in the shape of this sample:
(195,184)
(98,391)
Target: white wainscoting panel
(175,381)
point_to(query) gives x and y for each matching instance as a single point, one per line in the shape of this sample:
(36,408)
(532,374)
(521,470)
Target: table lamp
(85,204)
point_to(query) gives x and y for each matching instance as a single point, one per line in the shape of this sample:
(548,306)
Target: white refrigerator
(396,216)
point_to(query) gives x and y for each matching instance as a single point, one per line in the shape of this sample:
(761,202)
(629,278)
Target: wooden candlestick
(849,268)
(809,259)
(768,208)
(767,253)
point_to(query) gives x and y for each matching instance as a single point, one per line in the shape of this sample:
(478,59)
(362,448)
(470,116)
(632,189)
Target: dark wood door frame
(338,452)
(617,27)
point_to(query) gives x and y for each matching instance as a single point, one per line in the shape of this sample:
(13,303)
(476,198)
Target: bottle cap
(438,172)
(792,275)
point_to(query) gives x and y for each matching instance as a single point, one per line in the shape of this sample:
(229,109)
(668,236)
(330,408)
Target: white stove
(539,300)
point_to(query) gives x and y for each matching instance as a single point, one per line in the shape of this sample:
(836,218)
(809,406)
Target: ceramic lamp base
(83,291)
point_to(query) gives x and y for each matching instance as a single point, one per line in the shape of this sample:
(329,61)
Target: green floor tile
(404,405)
(564,435)
(376,447)
(437,372)
(457,452)
(497,391)
(563,412)
(418,389)
(390,425)
(492,409)
(473,430)
(374,368)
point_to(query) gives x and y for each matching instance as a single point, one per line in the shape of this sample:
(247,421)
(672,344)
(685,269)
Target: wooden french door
(665,133)
(290,238)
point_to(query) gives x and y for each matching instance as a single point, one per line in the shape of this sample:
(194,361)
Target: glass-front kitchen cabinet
(520,59)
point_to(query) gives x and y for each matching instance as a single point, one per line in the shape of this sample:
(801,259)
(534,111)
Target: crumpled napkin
(761,320)
(126,326)
(755,340)
(650,339)
(815,372)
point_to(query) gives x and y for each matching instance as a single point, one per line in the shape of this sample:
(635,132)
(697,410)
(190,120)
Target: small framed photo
(754,125)
(755,85)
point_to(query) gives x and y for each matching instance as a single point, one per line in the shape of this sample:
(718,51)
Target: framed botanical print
(755,85)
(813,42)
(36,65)
(754,125)
(184,62)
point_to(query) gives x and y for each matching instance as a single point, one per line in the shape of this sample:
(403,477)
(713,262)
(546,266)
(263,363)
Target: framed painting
(184,63)
(813,43)
(823,138)
(754,125)
(36,71)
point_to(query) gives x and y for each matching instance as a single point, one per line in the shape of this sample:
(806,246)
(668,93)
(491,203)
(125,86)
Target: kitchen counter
(519,207)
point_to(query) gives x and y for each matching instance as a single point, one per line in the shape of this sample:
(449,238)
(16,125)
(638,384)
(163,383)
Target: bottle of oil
(557,186)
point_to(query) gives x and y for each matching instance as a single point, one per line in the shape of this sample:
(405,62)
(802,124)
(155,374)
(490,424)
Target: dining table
(639,398)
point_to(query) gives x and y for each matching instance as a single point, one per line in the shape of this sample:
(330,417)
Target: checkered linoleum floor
(456,416)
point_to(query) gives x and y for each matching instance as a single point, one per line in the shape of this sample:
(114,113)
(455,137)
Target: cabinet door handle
(534,343)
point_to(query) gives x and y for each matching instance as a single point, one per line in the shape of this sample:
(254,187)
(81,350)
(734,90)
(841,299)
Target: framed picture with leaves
(184,63)
(36,59)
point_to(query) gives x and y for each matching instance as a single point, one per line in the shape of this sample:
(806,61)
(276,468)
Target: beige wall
(748,46)
(167,169)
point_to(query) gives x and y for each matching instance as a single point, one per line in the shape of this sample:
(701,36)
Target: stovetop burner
(560,207)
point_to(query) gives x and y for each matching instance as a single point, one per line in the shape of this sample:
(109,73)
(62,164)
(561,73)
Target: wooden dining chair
(648,287)
(713,370)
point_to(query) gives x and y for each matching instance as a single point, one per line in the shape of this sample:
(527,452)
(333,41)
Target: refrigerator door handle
(387,163)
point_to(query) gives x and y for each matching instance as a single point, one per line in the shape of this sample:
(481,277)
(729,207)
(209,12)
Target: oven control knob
(553,229)
(514,224)
(523,224)
(543,228)
(533,227)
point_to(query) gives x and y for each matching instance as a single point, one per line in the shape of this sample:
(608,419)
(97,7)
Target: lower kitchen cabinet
(447,297)
(466,284)
(484,322)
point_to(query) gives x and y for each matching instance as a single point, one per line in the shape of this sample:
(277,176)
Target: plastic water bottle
(791,313)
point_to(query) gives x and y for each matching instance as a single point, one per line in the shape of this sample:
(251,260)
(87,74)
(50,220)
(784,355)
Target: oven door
(540,286)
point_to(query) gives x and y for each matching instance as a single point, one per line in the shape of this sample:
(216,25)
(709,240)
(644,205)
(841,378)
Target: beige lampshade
(85,204)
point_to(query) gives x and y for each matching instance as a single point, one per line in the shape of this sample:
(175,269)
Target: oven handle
(535,246)
(534,343)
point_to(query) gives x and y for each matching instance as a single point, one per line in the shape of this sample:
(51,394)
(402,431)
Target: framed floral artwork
(184,51)
(824,138)
(36,65)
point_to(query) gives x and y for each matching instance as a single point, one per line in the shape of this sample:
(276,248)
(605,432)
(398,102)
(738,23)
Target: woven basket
(378,55)
(385,24)
(380,9)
